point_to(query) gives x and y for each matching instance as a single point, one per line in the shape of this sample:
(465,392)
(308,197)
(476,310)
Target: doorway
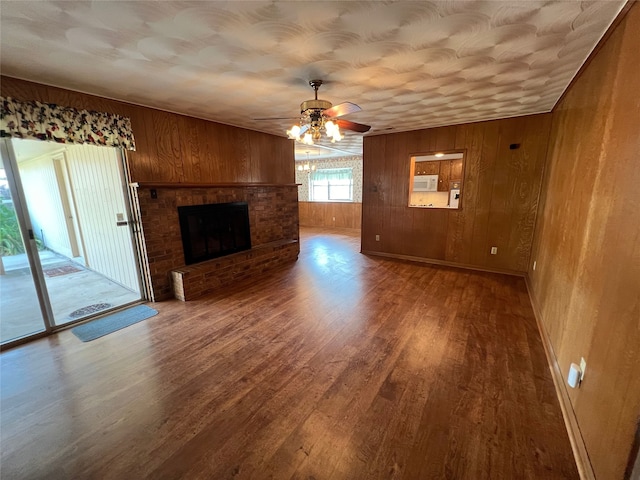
(77,252)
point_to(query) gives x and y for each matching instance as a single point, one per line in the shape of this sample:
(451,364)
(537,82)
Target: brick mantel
(273,217)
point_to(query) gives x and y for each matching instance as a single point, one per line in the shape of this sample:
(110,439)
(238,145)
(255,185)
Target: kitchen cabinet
(456,170)
(427,168)
(444,175)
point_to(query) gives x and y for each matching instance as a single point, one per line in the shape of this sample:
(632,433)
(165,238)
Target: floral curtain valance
(49,122)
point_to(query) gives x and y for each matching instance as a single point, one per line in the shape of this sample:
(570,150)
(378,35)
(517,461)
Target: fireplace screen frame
(226,230)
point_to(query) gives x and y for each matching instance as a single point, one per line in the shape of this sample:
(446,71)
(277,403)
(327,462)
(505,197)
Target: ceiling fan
(320,115)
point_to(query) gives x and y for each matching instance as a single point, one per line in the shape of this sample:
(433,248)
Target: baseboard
(442,262)
(571,422)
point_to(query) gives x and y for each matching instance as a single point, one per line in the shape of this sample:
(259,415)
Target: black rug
(111,323)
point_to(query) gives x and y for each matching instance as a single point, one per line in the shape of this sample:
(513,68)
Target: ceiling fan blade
(353,126)
(341,109)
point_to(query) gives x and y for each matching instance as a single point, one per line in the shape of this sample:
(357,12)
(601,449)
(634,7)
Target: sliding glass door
(20,305)
(75,209)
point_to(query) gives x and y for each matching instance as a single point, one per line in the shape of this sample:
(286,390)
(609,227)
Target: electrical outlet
(494,250)
(377,238)
(534,265)
(583,368)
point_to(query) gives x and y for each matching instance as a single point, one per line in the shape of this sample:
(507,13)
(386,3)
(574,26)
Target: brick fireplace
(273,221)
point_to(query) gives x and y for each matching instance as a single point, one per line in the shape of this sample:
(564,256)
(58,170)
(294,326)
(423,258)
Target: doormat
(88,310)
(58,271)
(114,322)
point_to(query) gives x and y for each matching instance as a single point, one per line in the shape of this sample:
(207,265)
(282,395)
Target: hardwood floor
(340,366)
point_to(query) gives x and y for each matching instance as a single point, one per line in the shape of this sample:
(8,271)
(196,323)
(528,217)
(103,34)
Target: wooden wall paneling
(587,246)
(425,140)
(272,157)
(232,143)
(240,147)
(25,90)
(332,211)
(508,167)
(216,153)
(397,163)
(424,237)
(445,138)
(357,215)
(165,127)
(286,161)
(21,90)
(347,215)
(191,150)
(455,227)
(259,146)
(303,212)
(489,185)
(321,213)
(308,214)
(339,212)
(429,239)
(83,101)
(154,171)
(395,219)
(140,161)
(373,190)
(485,171)
(529,184)
(224,148)
(211,161)
(474,140)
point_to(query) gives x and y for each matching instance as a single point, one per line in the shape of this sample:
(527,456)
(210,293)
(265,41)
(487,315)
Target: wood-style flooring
(339,366)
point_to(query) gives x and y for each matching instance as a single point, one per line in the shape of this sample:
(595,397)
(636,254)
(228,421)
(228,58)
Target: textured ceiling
(408,65)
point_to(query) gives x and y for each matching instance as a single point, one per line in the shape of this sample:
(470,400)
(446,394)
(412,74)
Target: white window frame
(337,182)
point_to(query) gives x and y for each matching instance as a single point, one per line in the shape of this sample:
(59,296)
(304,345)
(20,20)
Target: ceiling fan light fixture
(329,126)
(333,131)
(294,133)
(315,117)
(307,139)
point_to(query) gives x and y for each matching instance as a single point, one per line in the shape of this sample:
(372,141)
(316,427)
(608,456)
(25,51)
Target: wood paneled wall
(330,214)
(586,285)
(179,149)
(500,194)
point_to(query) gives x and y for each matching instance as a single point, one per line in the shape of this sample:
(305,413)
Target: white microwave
(425,183)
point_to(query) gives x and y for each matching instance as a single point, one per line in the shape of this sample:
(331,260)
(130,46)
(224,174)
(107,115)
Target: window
(331,185)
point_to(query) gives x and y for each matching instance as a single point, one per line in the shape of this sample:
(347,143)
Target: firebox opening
(214,230)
